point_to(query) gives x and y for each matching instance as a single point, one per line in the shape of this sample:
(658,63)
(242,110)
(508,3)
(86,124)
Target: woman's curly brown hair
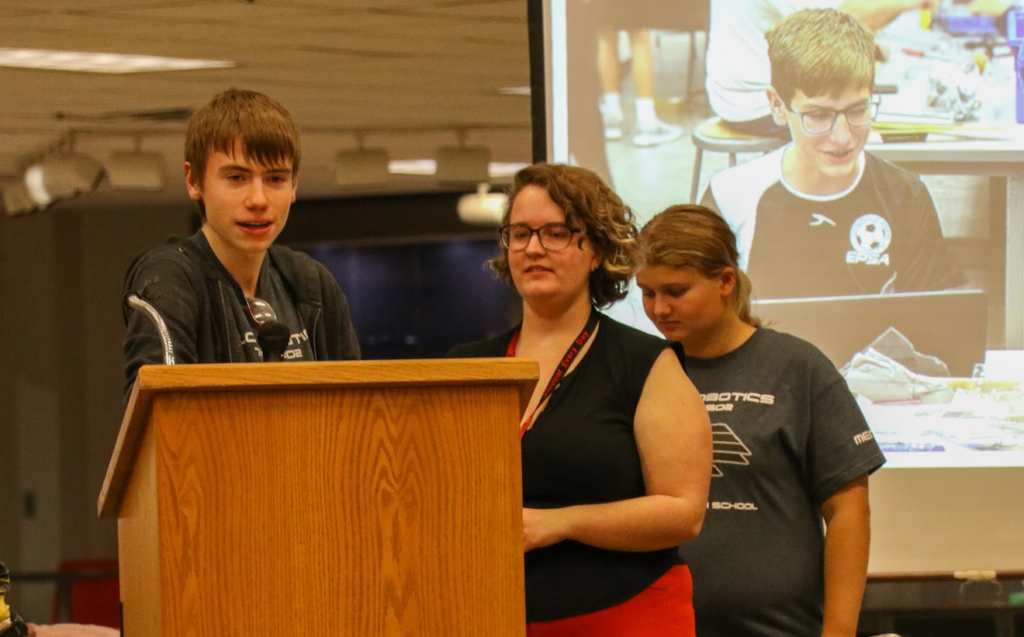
(589,203)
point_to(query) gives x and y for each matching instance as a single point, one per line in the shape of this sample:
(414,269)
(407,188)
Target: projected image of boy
(820,216)
(738,73)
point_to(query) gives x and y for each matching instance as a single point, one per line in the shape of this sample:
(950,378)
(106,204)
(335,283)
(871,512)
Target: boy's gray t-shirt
(271,288)
(788,435)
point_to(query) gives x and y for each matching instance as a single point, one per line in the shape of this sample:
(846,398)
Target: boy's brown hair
(267,131)
(820,52)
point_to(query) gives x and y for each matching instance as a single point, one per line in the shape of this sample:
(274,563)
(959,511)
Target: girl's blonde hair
(692,236)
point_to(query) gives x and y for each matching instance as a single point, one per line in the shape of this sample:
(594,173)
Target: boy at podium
(864,225)
(227,294)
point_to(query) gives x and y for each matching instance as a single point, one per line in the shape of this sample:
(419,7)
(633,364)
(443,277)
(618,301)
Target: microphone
(135,301)
(273,337)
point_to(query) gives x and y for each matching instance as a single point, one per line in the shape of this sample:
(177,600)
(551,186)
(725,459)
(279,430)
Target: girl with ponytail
(791,448)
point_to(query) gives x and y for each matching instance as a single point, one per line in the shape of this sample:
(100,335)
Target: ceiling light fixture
(115,63)
(16,198)
(428,167)
(501,169)
(62,176)
(138,171)
(522,91)
(361,167)
(482,207)
(462,164)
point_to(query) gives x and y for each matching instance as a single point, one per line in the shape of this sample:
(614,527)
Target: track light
(482,207)
(136,171)
(463,164)
(62,176)
(361,167)
(16,198)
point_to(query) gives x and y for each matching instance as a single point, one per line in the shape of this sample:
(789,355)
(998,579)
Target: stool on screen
(713,135)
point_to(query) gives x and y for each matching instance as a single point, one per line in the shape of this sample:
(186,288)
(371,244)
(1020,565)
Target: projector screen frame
(907,543)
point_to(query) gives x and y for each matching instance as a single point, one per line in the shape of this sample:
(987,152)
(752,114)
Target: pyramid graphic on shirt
(727,449)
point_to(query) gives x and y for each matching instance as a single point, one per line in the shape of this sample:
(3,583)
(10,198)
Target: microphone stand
(138,303)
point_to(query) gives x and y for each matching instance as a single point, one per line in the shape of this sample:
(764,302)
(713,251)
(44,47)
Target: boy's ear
(195,191)
(777,105)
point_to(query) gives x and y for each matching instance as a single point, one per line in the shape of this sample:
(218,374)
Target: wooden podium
(357,498)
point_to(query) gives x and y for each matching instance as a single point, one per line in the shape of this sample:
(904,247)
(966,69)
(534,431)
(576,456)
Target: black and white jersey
(880,235)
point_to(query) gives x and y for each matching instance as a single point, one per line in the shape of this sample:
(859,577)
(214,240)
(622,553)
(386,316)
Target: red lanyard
(563,367)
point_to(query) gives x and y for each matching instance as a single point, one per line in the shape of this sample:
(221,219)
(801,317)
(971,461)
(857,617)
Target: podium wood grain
(316,503)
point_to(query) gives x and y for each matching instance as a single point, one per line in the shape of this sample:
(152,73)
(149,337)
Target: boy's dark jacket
(201,302)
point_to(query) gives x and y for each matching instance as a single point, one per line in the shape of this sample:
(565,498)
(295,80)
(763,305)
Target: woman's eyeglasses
(553,236)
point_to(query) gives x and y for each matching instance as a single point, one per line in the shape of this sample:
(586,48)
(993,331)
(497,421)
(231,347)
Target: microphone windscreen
(273,337)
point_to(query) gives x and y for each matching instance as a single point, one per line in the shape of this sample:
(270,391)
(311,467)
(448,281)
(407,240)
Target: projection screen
(938,372)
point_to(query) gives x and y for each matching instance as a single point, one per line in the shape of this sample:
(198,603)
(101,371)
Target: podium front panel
(351,511)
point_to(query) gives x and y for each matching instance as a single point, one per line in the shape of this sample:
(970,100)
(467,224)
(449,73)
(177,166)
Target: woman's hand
(543,527)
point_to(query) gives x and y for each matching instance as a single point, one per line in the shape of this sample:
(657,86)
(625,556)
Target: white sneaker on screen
(613,133)
(660,134)
(610,105)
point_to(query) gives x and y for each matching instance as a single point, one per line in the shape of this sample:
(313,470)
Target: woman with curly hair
(616,446)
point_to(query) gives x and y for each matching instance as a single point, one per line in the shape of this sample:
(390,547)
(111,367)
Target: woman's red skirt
(663,609)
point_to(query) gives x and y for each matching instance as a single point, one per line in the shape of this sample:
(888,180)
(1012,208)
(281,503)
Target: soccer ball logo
(870,234)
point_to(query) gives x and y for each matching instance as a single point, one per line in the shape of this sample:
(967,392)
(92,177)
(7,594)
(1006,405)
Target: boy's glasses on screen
(822,120)
(553,236)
